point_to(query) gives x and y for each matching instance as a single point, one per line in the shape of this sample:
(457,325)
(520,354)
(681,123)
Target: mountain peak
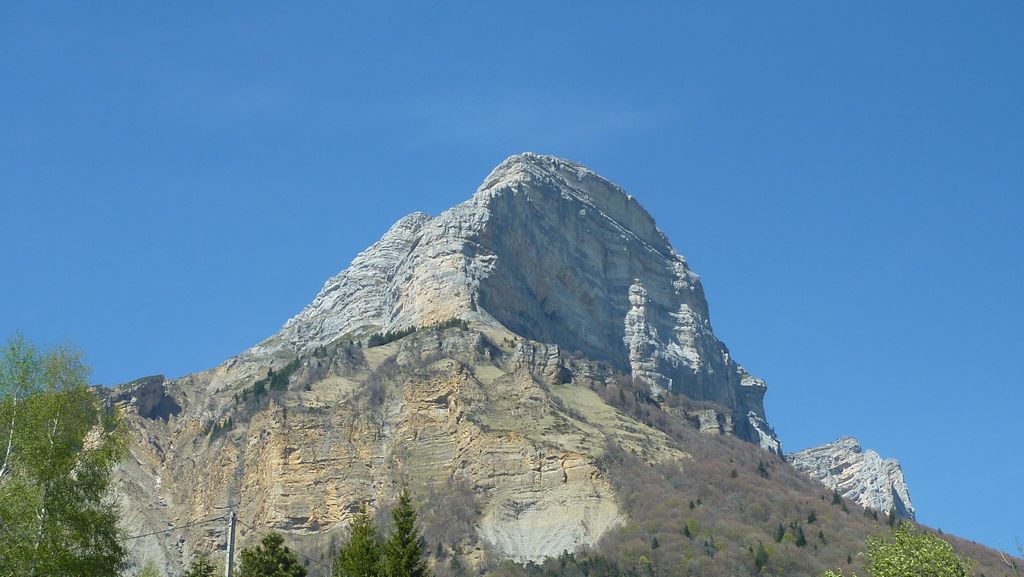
(553,252)
(521,166)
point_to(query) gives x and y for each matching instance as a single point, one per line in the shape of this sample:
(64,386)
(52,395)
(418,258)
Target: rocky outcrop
(515,422)
(862,476)
(566,286)
(551,251)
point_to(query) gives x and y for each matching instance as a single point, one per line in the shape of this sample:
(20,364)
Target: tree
(801,539)
(149,569)
(270,559)
(760,557)
(360,555)
(780,532)
(403,550)
(201,567)
(58,449)
(908,551)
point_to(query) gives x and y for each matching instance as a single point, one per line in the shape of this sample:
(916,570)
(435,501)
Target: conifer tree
(403,550)
(760,557)
(360,555)
(801,539)
(780,532)
(270,559)
(201,567)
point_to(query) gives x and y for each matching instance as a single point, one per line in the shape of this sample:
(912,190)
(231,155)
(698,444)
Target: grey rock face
(862,476)
(557,254)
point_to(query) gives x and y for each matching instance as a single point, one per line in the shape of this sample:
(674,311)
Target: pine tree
(360,555)
(780,532)
(270,559)
(403,550)
(760,557)
(201,567)
(801,539)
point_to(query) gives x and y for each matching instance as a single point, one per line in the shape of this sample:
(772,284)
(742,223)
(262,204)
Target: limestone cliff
(551,251)
(564,286)
(860,475)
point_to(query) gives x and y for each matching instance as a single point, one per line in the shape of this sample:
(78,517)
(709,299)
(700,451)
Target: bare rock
(862,476)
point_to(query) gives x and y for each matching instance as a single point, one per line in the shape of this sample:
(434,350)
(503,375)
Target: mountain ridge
(555,354)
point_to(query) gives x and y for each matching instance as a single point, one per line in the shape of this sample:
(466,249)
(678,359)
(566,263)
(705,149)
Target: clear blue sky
(847,178)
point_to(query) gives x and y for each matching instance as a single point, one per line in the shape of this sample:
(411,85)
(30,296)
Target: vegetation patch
(378,339)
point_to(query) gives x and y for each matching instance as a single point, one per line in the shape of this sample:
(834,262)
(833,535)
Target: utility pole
(229,566)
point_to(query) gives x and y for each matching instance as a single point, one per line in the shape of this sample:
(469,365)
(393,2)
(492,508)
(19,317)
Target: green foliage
(360,555)
(270,559)
(221,426)
(149,569)
(690,530)
(801,539)
(836,497)
(57,450)
(908,551)
(449,324)
(780,532)
(403,551)
(276,380)
(378,339)
(569,565)
(201,567)
(760,557)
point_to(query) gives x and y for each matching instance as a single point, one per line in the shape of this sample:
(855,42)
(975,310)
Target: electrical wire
(259,532)
(173,529)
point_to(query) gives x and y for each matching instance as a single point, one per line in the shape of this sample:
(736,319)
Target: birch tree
(58,450)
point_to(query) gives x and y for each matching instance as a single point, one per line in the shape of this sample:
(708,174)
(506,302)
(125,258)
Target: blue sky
(846,178)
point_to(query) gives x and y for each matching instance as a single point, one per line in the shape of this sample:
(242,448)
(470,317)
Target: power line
(320,563)
(172,529)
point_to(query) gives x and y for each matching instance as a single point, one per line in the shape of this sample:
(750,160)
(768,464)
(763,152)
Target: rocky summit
(506,360)
(554,253)
(863,476)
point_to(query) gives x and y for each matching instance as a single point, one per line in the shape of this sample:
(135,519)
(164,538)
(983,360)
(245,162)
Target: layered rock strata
(562,284)
(862,476)
(553,252)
